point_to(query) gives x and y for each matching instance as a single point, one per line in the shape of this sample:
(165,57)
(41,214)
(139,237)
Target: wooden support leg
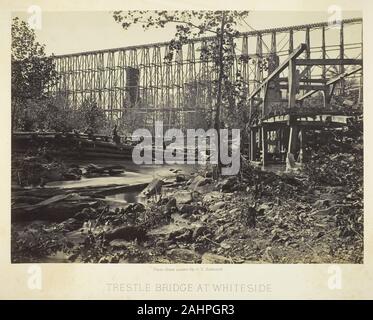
(253,145)
(264,146)
(293,137)
(301,145)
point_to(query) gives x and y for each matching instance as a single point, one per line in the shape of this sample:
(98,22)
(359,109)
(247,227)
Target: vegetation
(34,107)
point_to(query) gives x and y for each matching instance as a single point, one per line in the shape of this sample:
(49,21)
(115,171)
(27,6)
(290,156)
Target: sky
(73,32)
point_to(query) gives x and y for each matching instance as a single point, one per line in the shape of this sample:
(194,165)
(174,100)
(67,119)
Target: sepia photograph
(187,137)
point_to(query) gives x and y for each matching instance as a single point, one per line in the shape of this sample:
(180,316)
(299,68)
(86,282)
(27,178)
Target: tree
(32,73)
(221,25)
(91,116)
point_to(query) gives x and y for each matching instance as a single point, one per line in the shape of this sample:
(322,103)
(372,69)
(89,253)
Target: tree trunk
(220,83)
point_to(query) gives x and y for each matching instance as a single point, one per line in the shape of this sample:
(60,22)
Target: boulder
(200,231)
(214,195)
(228,184)
(127,233)
(210,258)
(216,206)
(71,224)
(134,208)
(183,255)
(190,209)
(171,205)
(321,203)
(183,197)
(180,178)
(153,188)
(184,234)
(119,243)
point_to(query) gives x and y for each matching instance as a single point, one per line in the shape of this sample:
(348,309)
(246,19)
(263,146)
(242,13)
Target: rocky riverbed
(256,217)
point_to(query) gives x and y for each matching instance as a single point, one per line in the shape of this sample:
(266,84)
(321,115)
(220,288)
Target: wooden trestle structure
(284,121)
(140,83)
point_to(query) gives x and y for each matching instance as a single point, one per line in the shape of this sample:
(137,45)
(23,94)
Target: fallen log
(57,208)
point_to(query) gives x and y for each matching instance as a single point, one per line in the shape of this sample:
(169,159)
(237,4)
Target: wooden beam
(311,80)
(325,62)
(330,82)
(304,87)
(292,85)
(344,75)
(296,53)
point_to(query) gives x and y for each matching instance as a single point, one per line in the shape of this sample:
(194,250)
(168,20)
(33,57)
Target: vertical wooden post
(301,145)
(253,144)
(323,52)
(260,139)
(308,53)
(342,55)
(290,161)
(361,91)
(292,84)
(264,94)
(291,41)
(264,146)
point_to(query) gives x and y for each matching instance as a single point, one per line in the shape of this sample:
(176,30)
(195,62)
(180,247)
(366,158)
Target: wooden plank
(304,87)
(292,85)
(296,53)
(326,62)
(330,82)
(310,80)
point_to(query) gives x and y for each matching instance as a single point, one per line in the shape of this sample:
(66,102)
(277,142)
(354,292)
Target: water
(127,197)
(133,174)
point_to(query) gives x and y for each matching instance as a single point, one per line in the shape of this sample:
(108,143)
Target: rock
(104,260)
(321,203)
(135,207)
(183,255)
(180,234)
(114,259)
(183,197)
(199,181)
(249,217)
(264,207)
(234,211)
(126,233)
(217,206)
(200,231)
(214,195)
(72,257)
(225,245)
(228,184)
(209,174)
(118,243)
(171,205)
(163,201)
(190,208)
(186,236)
(221,237)
(153,188)
(82,215)
(71,224)
(180,178)
(195,182)
(210,258)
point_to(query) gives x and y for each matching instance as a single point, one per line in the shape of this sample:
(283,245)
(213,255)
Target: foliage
(32,72)
(36,243)
(89,115)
